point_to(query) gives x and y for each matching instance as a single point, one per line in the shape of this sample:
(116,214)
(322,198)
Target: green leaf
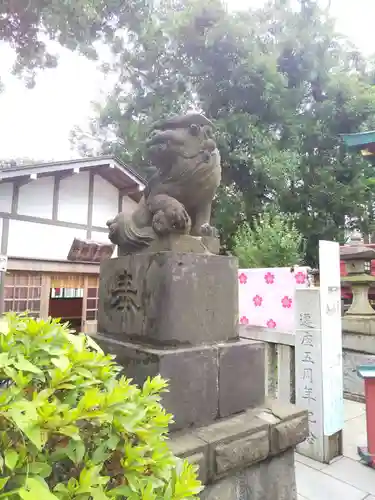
(61,362)
(80,451)
(75,451)
(101,454)
(3,481)
(40,468)
(61,488)
(89,478)
(23,364)
(78,341)
(36,436)
(98,494)
(71,431)
(11,459)
(73,485)
(4,326)
(93,345)
(66,386)
(36,490)
(120,491)
(4,359)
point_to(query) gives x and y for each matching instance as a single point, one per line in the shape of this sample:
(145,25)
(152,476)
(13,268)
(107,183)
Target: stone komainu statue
(178,198)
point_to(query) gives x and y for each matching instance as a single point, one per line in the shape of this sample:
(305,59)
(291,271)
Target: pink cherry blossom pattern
(244,320)
(300,278)
(242,278)
(269,278)
(257,300)
(271,323)
(286,302)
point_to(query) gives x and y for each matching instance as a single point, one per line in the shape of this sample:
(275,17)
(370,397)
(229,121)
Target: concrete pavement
(346,477)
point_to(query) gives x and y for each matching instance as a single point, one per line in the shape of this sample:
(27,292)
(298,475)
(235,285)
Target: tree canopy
(281,86)
(76,24)
(279,82)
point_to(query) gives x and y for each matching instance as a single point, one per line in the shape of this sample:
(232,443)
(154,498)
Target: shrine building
(53,234)
(363,142)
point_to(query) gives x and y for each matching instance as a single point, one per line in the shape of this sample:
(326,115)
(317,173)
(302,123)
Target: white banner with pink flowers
(266,296)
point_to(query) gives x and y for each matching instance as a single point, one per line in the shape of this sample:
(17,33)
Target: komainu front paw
(207,230)
(172,220)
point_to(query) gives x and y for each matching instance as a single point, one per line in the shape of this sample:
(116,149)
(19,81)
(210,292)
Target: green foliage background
(273,241)
(280,83)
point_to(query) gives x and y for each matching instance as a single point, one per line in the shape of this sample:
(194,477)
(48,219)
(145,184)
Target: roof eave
(82,163)
(359,140)
(116,163)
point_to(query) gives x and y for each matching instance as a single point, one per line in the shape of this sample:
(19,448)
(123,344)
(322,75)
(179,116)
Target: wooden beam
(45,266)
(50,222)
(84,303)
(4,251)
(15,197)
(120,197)
(45,294)
(55,200)
(90,206)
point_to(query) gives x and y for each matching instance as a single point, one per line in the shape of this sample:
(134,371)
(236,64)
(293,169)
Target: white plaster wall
(102,238)
(1,228)
(128,205)
(74,198)
(105,203)
(40,241)
(6,195)
(36,198)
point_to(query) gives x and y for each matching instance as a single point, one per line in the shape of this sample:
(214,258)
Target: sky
(36,124)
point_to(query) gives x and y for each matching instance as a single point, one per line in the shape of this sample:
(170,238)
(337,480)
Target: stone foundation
(249,456)
(358,349)
(223,378)
(176,314)
(272,479)
(169,298)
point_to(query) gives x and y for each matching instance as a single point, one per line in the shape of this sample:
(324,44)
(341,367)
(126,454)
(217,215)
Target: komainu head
(176,140)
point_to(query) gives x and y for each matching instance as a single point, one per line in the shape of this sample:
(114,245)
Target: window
(67,293)
(22,292)
(92,299)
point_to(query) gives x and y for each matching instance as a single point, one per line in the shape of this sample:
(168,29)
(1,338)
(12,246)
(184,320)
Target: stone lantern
(360,317)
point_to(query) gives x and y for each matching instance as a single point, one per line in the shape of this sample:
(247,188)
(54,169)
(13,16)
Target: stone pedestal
(360,317)
(176,314)
(169,298)
(248,456)
(206,382)
(358,324)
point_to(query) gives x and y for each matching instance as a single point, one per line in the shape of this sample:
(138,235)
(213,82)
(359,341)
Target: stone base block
(205,382)
(354,387)
(169,298)
(249,456)
(364,325)
(359,342)
(272,479)
(241,378)
(184,243)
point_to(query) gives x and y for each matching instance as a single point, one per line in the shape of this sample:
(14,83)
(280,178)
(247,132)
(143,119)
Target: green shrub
(72,428)
(273,241)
